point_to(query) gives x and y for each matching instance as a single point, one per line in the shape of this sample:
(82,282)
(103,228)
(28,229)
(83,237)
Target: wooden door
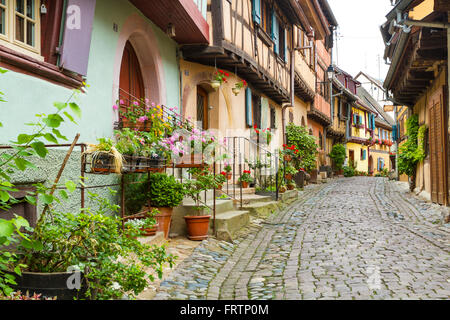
(202,108)
(437,153)
(351,155)
(131,81)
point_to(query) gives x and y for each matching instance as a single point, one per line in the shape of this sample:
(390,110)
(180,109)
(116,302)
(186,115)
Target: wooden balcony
(242,47)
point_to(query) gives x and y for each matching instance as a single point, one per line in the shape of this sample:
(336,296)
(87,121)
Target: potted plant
(228,169)
(105,157)
(218,79)
(289,152)
(76,255)
(221,179)
(289,171)
(245,178)
(291,185)
(238,86)
(198,223)
(164,193)
(282,188)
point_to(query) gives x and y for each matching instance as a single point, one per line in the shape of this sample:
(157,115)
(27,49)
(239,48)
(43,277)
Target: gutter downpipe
(290,104)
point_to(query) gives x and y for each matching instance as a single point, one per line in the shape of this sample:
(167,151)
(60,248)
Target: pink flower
(136,103)
(115,107)
(121,101)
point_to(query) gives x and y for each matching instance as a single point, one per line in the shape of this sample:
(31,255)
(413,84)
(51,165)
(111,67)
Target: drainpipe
(290,104)
(396,143)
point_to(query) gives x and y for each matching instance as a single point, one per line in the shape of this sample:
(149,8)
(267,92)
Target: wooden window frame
(43,66)
(9,38)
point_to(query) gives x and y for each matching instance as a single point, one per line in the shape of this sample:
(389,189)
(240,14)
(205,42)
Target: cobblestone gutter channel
(356,238)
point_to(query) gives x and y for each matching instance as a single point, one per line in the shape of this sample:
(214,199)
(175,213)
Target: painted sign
(388,108)
(77,35)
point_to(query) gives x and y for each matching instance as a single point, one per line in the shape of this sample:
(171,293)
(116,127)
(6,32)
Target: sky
(359,45)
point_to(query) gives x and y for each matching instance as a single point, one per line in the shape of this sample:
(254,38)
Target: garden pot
(51,284)
(219,187)
(215,84)
(164,218)
(102,162)
(148,232)
(287,158)
(197,227)
(244,184)
(140,126)
(288,176)
(194,160)
(291,187)
(229,175)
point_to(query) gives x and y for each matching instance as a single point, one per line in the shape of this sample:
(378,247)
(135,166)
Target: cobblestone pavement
(352,238)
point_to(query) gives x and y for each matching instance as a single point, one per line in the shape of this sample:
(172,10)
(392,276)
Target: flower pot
(244,184)
(215,84)
(219,187)
(282,190)
(287,158)
(288,176)
(148,232)
(197,227)
(51,285)
(291,187)
(229,175)
(164,218)
(140,126)
(102,162)
(194,160)
(236,90)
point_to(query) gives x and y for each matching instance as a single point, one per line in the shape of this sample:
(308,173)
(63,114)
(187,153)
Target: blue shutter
(364,154)
(275,33)
(285,46)
(256,11)
(394,132)
(248,107)
(373,122)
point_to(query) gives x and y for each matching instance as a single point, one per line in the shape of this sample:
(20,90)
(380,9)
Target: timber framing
(319,117)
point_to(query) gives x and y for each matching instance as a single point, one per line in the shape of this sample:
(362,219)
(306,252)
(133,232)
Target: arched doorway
(202,108)
(131,82)
(370,165)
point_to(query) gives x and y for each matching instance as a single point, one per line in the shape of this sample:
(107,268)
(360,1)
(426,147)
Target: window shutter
(248,107)
(77,35)
(257,11)
(275,32)
(364,154)
(285,45)
(394,133)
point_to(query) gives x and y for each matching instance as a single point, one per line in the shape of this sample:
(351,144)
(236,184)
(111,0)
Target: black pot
(51,285)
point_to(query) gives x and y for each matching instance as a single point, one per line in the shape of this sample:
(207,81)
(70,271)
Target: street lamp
(330,72)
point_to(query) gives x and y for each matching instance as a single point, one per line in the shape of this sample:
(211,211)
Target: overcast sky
(359,44)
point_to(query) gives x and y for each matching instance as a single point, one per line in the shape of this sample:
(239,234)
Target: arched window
(202,108)
(131,81)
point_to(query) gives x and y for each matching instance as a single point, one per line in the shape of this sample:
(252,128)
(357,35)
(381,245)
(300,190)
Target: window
(273,118)
(20,25)
(265,16)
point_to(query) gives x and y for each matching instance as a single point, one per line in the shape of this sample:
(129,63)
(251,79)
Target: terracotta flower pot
(288,176)
(229,175)
(164,218)
(244,184)
(287,158)
(219,187)
(148,232)
(198,227)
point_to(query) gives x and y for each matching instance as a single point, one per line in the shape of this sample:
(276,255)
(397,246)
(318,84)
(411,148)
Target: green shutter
(256,11)
(275,33)
(248,107)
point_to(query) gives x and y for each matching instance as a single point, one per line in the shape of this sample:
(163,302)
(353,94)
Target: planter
(197,227)
(288,176)
(164,218)
(215,84)
(291,187)
(219,187)
(236,91)
(244,184)
(102,162)
(229,175)
(149,232)
(287,158)
(282,190)
(51,284)
(140,126)
(194,160)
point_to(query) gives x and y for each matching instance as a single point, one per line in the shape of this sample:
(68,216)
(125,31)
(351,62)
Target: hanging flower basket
(215,84)
(236,90)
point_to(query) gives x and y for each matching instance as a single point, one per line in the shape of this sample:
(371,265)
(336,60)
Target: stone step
(288,195)
(227,223)
(262,209)
(189,206)
(252,198)
(158,239)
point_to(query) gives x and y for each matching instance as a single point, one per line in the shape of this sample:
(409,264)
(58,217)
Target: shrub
(349,171)
(164,190)
(306,145)
(338,155)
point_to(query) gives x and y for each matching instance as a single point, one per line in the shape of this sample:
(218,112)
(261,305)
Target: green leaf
(46,198)
(69,117)
(24,138)
(71,186)
(63,194)
(50,137)
(53,120)
(21,163)
(20,222)
(60,105)
(4,196)
(40,148)
(6,228)
(31,200)
(75,109)
(58,134)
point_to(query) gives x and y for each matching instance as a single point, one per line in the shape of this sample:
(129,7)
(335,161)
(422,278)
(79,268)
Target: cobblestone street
(353,238)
